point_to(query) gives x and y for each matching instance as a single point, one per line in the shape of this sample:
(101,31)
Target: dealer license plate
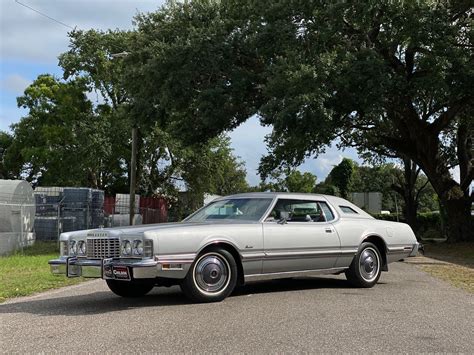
(121,273)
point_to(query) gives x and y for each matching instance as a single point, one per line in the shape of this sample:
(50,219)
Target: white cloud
(15,83)
(28,35)
(248,143)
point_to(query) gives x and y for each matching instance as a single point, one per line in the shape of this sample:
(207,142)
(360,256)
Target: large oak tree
(379,75)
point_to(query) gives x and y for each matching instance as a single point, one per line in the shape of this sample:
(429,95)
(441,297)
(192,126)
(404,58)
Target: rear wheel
(129,288)
(212,276)
(365,269)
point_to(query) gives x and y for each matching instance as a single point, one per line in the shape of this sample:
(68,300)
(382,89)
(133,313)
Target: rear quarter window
(348,210)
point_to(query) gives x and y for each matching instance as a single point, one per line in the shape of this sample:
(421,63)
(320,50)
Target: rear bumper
(416,247)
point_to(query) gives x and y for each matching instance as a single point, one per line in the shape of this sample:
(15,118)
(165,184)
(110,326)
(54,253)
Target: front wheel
(129,288)
(365,268)
(212,276)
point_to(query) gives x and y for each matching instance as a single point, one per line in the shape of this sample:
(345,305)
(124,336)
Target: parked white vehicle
(237,239)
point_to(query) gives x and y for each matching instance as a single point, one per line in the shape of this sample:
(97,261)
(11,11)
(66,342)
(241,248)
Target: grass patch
(27,272)
(459,267)
(458,253)
(456,275)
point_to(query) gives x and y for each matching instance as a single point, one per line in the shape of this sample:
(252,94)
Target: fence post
(21,228)
(58,213)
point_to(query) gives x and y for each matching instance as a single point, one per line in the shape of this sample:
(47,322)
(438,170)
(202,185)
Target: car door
(305,241)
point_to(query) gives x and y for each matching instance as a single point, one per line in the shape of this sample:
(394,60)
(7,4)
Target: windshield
(250,209)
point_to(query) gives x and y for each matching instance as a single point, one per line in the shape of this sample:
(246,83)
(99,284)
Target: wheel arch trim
(381,245)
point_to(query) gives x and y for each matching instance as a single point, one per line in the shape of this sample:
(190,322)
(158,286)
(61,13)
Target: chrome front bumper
(120,269)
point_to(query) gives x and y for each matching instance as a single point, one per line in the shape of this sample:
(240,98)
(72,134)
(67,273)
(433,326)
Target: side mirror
(284,217)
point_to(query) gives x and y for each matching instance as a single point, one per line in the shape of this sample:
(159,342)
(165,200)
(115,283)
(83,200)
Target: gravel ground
(408,311)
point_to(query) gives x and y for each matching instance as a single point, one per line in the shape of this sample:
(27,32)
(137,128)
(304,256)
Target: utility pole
(133,173)
(133,160)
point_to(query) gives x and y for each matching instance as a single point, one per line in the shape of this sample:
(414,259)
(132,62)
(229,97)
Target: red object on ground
(153,209)
(109,205)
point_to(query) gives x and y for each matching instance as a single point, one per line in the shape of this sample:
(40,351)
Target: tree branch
(410,60)
(447,117)
(398,189)
(464,153)
(418,193)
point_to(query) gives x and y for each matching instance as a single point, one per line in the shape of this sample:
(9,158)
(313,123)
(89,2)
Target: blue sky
(30,44)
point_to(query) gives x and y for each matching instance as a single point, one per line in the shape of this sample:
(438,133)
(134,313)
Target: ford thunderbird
(237,239)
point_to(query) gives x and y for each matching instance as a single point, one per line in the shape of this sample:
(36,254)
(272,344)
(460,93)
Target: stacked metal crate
(75,214)
(97,208)
(67,209)
(47,218)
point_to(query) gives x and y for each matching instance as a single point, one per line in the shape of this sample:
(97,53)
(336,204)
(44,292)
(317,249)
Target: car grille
(100,248)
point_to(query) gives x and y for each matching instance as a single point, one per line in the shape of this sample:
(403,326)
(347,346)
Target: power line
(121,54)
(42,14)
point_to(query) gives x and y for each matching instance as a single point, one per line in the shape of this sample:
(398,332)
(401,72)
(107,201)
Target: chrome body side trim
(251,256)
(309,254)
(400,248)
(176,258)
(282,275)
(401,251)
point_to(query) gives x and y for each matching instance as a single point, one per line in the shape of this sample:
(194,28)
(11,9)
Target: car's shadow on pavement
(291,284)
(101,302)
(97,302)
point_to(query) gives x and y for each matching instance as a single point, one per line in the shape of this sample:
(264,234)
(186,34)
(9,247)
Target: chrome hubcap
(211,273)
(369,264)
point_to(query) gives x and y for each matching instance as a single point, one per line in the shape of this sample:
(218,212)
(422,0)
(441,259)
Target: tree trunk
(410,213)
(407,190)
(456,205)
(455,199)
(458,219)
(92,177)
(411,205)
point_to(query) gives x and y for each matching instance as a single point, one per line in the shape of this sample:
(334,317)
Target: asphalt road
(408,311)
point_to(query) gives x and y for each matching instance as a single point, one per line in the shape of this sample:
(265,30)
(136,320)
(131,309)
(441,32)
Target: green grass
(456,275)
(27,272)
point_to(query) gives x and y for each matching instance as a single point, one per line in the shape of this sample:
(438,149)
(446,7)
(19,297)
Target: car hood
(117,231)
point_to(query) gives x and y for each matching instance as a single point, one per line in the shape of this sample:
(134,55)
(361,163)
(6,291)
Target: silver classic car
(237,239)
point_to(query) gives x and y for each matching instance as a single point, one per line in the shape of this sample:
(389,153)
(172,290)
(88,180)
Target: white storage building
(17,215)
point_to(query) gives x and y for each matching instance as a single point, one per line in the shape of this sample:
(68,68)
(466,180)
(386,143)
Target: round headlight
(126,247)
(81,247)
(137,247)
(72,247)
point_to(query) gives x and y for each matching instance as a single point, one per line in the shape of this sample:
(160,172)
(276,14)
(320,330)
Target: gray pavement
(408,311)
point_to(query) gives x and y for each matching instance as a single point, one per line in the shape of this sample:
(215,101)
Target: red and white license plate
(121,273)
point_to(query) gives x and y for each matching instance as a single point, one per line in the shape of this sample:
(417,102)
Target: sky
(30,44)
